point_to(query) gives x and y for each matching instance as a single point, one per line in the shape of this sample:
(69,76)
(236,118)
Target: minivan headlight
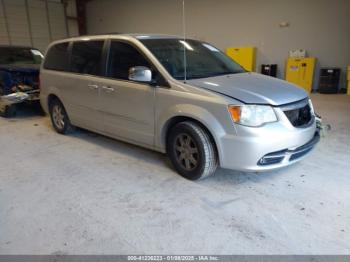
(252,115)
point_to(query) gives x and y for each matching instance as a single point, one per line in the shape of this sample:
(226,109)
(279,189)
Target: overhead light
(284,24)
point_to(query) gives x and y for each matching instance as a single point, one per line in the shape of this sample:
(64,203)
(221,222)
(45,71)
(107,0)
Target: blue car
(19,77)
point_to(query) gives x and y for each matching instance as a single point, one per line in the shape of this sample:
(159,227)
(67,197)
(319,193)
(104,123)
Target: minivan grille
(299,116)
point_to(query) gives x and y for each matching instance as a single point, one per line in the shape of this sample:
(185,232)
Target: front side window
(202,60)
(57,57)
(19,55)
(86,57)
(122,57)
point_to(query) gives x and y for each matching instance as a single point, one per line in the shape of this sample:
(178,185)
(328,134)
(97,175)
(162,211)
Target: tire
(8,111)
(191,151)
(59,118)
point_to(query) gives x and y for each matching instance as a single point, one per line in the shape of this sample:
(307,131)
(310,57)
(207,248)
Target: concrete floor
(88,194)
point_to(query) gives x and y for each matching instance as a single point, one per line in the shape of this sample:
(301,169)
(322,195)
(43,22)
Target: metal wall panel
(57,20)
(39,24)
(4,39)
(72,20)
(17,21)
(35,22)
(73,28)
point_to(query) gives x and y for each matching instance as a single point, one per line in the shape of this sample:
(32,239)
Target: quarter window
(57,57)
(86,57)
(122,57)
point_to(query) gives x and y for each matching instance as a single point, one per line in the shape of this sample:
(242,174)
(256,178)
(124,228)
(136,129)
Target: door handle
(94,87)
(108,89)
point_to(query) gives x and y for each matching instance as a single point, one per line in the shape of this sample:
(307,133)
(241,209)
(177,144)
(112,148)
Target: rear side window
(57,57)
(122,56)
(86,57)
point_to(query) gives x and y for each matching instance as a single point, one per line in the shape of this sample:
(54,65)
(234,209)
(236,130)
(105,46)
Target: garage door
(32,22)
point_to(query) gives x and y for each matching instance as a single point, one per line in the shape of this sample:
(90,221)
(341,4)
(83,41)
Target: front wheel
(59,117)
(191,151)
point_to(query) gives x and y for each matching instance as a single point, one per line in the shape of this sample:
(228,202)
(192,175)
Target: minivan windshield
(20,55)
(202,59)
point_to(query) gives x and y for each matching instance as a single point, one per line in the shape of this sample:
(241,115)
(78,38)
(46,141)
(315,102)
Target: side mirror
(140,74)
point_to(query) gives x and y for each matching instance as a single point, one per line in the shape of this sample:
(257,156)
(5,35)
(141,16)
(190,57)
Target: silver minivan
(181,97)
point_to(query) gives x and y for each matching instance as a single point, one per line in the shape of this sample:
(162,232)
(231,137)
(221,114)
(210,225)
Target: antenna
(184,39)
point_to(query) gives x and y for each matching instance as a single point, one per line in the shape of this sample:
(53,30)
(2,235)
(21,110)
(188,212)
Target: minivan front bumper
(288,155)
(266,148)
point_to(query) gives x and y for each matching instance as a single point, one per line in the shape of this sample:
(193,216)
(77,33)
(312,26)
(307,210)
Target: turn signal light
(235,112)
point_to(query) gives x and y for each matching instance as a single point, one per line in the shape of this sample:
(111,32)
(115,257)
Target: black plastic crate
(329,80)
(270,70)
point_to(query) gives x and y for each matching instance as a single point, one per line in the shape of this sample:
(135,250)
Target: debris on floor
(322,127)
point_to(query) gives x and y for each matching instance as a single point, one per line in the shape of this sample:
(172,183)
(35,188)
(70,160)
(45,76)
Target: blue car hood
(252,88)
(25,68)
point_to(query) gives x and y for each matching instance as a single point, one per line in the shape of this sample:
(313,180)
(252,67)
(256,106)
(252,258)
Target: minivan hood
(252,88)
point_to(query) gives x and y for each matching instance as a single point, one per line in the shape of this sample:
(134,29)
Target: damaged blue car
(19,77)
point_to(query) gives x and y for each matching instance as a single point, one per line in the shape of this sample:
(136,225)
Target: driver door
(127,106)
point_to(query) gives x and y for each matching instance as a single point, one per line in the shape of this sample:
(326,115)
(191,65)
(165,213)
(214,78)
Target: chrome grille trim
(294,105)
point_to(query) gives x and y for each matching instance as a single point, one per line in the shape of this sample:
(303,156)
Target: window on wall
(122,57)
(57,57)
(86,57)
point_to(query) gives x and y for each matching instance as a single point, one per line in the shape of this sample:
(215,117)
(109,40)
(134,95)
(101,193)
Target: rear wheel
(59,117)
(191,151)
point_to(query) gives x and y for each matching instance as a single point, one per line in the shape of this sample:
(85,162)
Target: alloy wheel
(186,152)
(58,116)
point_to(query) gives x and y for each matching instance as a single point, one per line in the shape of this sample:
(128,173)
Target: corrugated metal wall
(32,22)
